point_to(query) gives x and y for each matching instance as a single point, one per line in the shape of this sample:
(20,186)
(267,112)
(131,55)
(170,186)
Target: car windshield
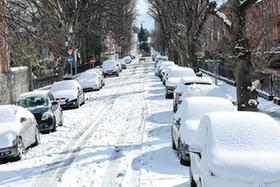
(88,75)
(63,85)
(7,116)
(33,101)
(109,64)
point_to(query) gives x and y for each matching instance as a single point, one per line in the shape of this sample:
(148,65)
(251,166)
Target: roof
(34,93)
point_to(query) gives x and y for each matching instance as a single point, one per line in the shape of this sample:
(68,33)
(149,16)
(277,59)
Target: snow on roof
(33,93)
(192,109)
(204,90)
(241,145)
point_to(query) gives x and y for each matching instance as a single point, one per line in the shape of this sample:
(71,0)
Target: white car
(127,59)
(160,58)
(203,90)
(68,93)
(184,83)
(110,67)
(18,131)
(100,74)
(187,118)
(236,149)
(173,77)
(162,65)
(119,65)
(90,81)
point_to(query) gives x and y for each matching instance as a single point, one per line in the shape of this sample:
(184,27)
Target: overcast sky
(143,17)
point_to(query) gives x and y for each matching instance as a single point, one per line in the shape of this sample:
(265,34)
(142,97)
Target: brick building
(262,26)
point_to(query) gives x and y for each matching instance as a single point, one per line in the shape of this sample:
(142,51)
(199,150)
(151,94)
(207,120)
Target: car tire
(167,96)
(172,140)
(61,120)
(193,184)
(37,137)
(20,149)
(54,126)
(179,153)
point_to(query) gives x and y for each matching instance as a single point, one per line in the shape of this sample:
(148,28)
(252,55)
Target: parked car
(160,58)
(119,65)
(173,77)
(100,74)
(161,66)
(110,67)
(68,93)
(18,131)
(195,90)
(184,83)
(187,118)
(127,59)
(123,64)
(236,149)
(43,106)
(90,81)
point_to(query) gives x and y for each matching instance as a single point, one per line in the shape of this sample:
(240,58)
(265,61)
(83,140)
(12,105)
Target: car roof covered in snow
(204,90)
(198,80)
(241,145)
(193,108)
(33,93)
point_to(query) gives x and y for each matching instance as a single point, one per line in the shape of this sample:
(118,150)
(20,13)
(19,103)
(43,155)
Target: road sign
(70,59)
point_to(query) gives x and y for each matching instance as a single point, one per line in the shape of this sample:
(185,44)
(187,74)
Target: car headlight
(46,116)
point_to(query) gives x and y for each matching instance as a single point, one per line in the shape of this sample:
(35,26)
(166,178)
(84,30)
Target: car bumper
(46,125)
(69,104)
(110,73)
(9,152)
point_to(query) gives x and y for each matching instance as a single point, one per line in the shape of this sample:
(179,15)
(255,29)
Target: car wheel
(172,140)
(20,149)
(193,184)
(54,125)
(37,137)
(61,120)
(180,155)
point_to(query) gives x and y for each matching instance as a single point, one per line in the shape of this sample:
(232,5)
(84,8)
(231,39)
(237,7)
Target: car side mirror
(199,74)
(196,149)
(54,103)
(23,119)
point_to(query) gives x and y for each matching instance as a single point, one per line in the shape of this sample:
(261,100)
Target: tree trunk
(183,59)
(192,56)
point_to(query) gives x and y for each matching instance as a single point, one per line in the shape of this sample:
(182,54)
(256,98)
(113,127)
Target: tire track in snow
(53,173)
(116,171)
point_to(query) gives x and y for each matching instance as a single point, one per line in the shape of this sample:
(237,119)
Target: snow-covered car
(161,65)
(184,83)
(110,67)
(195,90)
(173,77)
(100,74)
(123,64)
(119,65)
(18,131)
(68,93)
(90,81)
(127,59)
(236,149)
(187,118)
(160,58)
(45,109)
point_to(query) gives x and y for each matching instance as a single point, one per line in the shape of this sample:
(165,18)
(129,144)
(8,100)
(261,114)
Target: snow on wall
(13,84)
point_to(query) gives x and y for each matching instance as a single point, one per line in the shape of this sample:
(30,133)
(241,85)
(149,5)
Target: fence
(270,88)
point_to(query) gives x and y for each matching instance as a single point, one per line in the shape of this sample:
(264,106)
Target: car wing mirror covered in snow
(199,74)
(196,149)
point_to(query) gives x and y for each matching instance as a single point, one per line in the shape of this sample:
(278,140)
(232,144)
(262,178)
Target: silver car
(18,131)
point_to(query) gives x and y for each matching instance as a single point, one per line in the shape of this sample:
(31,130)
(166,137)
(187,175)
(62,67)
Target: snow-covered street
(120,137)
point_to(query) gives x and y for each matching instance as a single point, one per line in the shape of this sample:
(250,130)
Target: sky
(143,16)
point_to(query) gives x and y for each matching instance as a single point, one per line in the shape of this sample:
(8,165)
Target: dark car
(43,106)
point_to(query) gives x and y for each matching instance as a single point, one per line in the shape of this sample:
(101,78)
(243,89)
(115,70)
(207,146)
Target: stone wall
(12,84)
